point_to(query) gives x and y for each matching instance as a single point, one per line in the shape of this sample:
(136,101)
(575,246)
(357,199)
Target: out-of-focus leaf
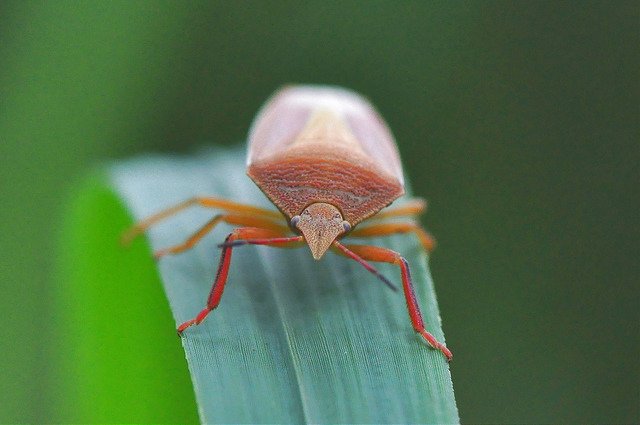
(118,361)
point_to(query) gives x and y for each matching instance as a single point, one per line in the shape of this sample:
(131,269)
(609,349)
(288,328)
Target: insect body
(327,160)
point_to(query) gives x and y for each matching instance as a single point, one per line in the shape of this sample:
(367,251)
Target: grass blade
(117,360)
(294,340)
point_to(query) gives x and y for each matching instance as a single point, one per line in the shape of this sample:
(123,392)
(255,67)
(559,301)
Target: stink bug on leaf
(328,162)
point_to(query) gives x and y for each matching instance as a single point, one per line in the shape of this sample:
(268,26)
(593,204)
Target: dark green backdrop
(518,121)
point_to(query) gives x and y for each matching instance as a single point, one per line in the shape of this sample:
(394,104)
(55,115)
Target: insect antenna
(347,252)
(266,241)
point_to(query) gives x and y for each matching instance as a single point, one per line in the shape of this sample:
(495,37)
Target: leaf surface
(293,340)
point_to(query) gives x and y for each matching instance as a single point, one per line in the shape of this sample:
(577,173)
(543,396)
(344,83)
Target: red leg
(244,235)
(361,253)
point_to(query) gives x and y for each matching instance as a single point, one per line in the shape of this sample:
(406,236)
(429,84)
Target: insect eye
(347,226)
(336,216)
(295,220)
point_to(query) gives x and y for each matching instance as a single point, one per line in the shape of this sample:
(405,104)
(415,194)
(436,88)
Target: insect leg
(414,206)
(240,220)
(244,235)
(384,255)
(222,204)
(385,229)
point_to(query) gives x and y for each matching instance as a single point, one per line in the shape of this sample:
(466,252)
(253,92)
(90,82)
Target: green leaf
(294,340)
(118,359)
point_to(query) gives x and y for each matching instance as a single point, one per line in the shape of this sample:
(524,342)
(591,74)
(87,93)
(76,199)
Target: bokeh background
(517,120)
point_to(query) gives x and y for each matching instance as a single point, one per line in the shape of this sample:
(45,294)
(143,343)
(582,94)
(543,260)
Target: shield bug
(328,162)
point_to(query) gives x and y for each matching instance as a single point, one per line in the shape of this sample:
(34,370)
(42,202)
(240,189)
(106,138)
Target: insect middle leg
(244,235)
(386,229)
(384,255)
(413,207)
(236,219)
(221,204)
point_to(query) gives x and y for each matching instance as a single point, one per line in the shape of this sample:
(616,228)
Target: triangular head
(320,224)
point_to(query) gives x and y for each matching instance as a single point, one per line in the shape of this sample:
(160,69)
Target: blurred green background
(518,121)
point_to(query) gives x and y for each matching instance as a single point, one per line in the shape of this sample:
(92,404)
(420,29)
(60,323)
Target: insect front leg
(361,253)
(241,236)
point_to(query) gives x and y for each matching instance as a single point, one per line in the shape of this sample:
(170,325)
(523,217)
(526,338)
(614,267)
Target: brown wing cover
(303,151)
